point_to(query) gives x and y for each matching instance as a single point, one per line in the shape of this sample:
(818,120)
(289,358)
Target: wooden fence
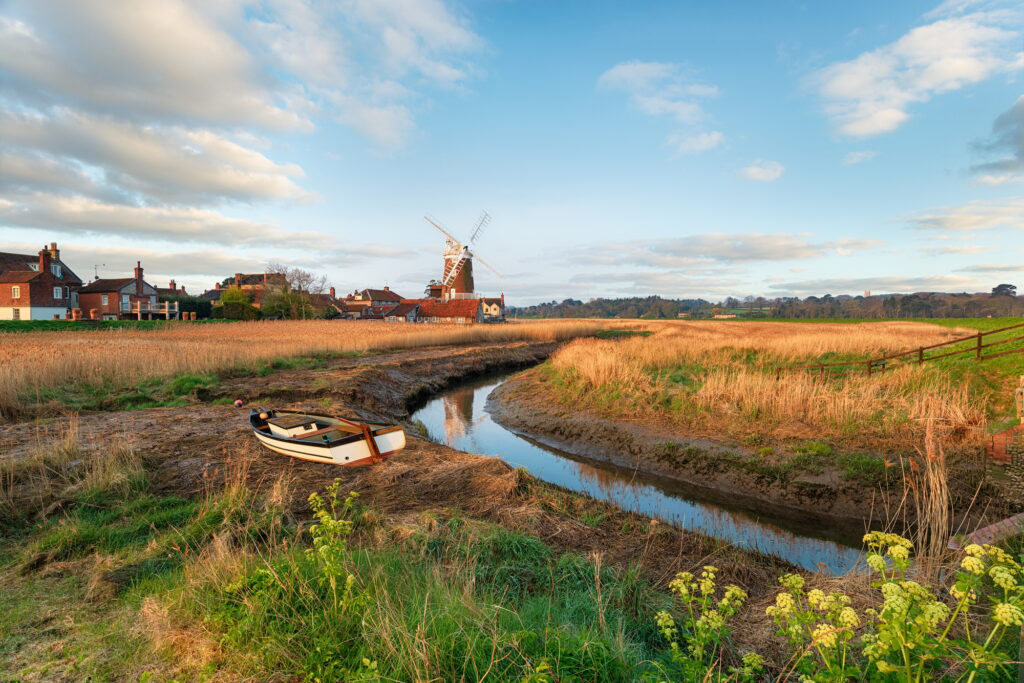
(918,355)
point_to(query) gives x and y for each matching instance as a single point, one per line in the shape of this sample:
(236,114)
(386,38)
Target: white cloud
(972,216)
(1008,136)
(665,89)
(172,164)
(658,88)
(692,144)
(956,249)
(178,224)
(163,61)
(870,95)
(858,157)
(877,285)
(710,250)
(1013,268)
(763,171)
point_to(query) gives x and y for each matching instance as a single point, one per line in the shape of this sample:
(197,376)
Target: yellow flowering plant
(696,641)
(914,634)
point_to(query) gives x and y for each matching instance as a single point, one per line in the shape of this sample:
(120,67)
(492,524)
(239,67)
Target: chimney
(44,260)
(332,293)
(238,279)
(386,288)
(138,278)
(173,287)
(54,251)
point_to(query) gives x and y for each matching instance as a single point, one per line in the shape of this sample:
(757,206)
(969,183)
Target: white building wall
(32,313)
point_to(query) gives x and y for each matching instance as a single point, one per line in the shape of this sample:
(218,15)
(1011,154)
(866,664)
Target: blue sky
(682,149)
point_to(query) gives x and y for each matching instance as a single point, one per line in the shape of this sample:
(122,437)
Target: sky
(684,149)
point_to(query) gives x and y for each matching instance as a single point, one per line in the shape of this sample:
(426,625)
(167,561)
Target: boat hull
(350,451)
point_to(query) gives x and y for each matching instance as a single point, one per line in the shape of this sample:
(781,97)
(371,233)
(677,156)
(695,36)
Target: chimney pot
(332,292)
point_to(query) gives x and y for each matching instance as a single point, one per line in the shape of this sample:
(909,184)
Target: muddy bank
(723,472)
(195,448)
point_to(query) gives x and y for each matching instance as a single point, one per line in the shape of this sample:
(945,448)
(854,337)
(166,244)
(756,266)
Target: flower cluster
(704,625)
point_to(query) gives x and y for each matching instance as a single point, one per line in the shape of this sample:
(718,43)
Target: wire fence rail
(919,355)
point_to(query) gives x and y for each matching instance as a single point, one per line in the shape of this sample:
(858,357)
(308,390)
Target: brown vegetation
(723,379)
(39,361)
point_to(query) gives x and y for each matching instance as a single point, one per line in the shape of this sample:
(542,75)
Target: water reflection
(809,546)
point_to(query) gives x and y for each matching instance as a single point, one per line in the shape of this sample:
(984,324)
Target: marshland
(148,537)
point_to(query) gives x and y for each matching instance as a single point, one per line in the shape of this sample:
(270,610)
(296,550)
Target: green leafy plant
(704,628)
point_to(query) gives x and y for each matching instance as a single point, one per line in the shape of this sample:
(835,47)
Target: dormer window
(55,269)
(33,266)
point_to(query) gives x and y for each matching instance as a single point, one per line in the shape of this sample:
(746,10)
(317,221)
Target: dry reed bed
(35,362)
(733,385)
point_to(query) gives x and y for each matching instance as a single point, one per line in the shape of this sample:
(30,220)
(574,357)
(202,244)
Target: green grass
(621,334)
(74,325)
(454,599)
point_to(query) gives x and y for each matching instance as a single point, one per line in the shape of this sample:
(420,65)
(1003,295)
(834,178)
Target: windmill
(457,276)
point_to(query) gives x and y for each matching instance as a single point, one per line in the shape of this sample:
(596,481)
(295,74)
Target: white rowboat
(322,438)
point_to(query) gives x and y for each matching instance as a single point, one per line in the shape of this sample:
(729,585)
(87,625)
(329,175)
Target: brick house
(125,299)
(39,287)
(172,289)
(405,312)
(256,285)
(493,308)
(458,311)
(373,297)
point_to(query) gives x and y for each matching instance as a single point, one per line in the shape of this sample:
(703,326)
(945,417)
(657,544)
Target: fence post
(920,355)
(978,353)
(869,368)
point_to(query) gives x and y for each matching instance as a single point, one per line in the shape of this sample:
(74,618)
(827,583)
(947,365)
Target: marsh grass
(40,367)
(726,380)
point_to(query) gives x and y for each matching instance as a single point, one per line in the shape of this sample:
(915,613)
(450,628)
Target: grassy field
(731,379)
(41,365)
(105,578)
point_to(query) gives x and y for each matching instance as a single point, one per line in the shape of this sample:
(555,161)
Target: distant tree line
(1002,301)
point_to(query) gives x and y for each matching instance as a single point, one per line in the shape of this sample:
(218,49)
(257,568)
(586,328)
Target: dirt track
(192,448)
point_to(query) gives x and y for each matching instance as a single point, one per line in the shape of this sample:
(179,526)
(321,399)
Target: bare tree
(289,295)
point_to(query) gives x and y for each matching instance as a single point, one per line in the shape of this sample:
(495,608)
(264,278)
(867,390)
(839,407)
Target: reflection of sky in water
(460,416)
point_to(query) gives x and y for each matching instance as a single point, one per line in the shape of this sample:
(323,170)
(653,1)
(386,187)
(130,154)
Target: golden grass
(31,363)
(722,377)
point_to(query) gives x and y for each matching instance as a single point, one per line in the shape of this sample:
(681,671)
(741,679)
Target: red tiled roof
(106,285)
(455,308)
(381,295)
(18,275)
(403,309)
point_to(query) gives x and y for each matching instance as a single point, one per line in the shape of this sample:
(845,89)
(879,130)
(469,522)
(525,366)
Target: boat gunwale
(383,429)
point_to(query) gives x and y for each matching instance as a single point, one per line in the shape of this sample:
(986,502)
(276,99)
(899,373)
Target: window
(67,292)
(104,298)
(152,299)
(33,266)
(15,292)
(125,298)
(55,269)
(17,314)
(58,292)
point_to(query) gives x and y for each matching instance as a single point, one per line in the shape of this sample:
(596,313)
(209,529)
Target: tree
(291,299)
(1004,290)
(234,295)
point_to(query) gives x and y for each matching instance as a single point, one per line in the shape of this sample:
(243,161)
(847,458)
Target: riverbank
(188,455)
(816,484)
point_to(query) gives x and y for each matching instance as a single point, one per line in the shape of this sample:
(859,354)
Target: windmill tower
(457,273)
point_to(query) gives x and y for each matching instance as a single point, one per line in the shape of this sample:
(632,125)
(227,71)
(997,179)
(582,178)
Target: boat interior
(306,427)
